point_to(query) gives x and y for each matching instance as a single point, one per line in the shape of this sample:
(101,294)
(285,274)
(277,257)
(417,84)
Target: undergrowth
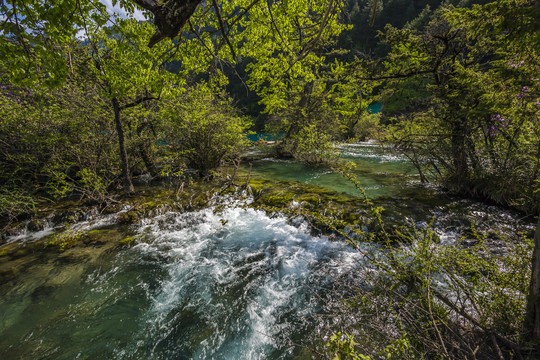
(428,300)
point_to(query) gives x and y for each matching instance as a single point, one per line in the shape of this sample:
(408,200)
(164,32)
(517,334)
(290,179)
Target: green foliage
(421,298)
(37,38)
(64,240)
(315,147)
(40,46)
(14,202)
(469,99)
(342,347)
(124,65)
(51,141)
(361,126)
(204,129)
(426,299)
(331,106)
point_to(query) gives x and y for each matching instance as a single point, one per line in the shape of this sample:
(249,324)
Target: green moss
(311,199)
(128,217)
(229,191)
(3,252)
(128,240)
(62,241)
(257,185)
(277,200)
(200,200)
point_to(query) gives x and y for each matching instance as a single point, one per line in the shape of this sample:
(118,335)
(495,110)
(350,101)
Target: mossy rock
(97,232)
(351,218)
(35,225)
(229,191)
(128,240)
(277,200)
(61,241)
(311,199)
(128,217)
(200,201)
(257,185)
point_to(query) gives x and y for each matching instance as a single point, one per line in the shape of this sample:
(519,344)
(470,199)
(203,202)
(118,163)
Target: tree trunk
(128,186)
(170,17)
(145,150)
(532,318)
(459,154)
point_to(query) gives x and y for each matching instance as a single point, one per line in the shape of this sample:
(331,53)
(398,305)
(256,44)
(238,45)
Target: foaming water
(369,150)
(229,284)
(226,282)
(237,284)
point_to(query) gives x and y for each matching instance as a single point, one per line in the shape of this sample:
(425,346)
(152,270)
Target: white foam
(238,271)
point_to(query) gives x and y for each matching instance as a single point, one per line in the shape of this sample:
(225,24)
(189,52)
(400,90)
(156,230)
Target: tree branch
(146,4)
(138,101)
(220,20)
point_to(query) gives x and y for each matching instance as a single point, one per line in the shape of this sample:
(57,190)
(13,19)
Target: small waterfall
(226,282)
(235,284)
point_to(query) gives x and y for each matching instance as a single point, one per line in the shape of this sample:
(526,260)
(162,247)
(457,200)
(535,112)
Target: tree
(476,121)
(203,128)
(52,137)
(223,31)
(277,38)
(128,73)
(473,120)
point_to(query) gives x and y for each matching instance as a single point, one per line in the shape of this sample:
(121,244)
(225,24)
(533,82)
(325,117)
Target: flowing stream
(226,282)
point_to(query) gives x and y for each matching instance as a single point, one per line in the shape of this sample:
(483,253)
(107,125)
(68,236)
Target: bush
(204,128)
(416,298)
(361,127)
(314,147)
(51,141)
(13,202)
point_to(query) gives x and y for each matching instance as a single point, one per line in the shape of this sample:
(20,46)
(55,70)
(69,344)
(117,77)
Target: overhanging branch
(169,17)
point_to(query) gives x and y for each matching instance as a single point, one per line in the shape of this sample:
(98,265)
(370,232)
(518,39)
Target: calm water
(380,174)
(214,284)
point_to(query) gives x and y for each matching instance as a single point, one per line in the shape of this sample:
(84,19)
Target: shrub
(204,127)
(314,146)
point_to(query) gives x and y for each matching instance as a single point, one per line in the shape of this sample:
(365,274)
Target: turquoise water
(375,108)
(191,288)
(265,136)
(392,182)
(220,283)
(379,173)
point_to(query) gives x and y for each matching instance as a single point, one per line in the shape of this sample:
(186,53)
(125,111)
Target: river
(225,282)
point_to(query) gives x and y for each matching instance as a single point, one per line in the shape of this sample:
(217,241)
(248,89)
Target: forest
(286,179)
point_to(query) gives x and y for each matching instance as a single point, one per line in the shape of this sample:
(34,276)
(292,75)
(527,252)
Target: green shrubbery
(468,99)
(443,300)
(315,147)
(204,128)
(418,298)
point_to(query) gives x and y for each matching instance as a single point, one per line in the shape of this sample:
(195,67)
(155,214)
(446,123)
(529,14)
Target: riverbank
(277,184)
